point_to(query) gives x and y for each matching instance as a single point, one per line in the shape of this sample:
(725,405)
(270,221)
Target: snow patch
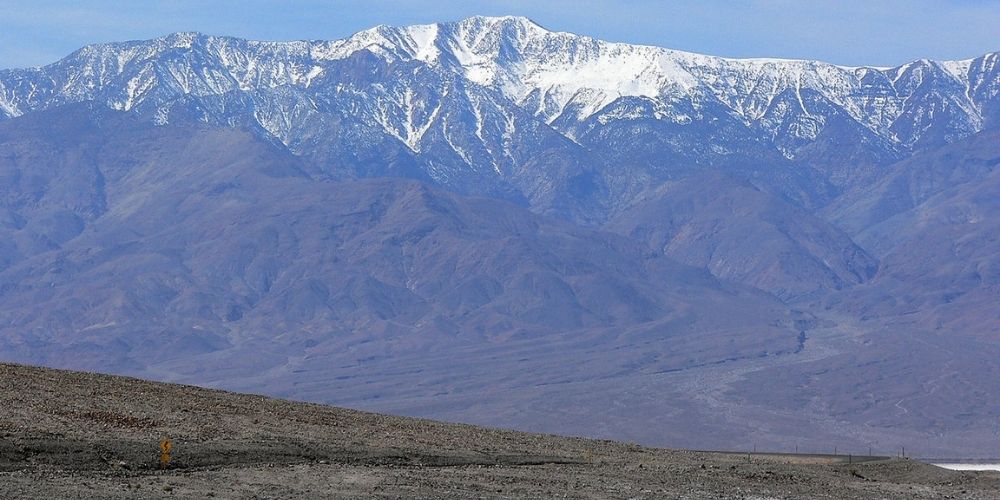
(979,467)
(423,38)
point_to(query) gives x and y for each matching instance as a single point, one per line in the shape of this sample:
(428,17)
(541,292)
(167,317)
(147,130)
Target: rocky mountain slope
(204,254)
(931,221)
(710,221)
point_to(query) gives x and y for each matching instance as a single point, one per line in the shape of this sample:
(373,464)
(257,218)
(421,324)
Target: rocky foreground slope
(79,435)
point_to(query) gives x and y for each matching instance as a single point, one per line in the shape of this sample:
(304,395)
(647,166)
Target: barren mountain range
(489,222)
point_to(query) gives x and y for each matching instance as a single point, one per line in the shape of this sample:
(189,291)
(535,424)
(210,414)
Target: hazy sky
(850,32)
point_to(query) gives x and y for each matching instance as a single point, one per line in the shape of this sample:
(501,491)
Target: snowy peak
(464,43)
(562,77)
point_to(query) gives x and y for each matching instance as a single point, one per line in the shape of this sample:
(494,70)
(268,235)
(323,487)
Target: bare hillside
(78,435)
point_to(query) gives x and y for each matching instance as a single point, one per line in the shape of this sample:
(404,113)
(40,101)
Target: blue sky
(872,32)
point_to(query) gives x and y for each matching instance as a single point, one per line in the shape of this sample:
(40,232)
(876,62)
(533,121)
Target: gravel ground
(78,435)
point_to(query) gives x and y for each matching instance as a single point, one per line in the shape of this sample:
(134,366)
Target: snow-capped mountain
(794,232)
(503,107)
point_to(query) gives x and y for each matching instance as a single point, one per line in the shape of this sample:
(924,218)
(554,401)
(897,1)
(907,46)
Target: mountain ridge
(424,42)
(468,103)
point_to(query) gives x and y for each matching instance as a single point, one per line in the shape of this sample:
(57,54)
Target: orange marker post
(165,447)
